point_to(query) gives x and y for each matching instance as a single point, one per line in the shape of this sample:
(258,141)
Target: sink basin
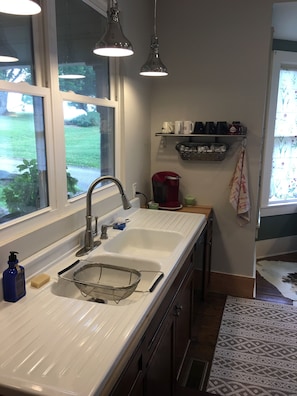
(137,242)
(149,271)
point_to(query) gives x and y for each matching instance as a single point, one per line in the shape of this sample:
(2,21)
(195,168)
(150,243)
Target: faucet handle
(96,226)
(104,230)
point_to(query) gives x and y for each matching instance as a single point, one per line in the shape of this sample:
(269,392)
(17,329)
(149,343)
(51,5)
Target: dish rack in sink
(104,281)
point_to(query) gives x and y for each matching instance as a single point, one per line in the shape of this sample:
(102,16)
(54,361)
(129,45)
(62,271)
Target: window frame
(278,60)
(47,86)
(44,93)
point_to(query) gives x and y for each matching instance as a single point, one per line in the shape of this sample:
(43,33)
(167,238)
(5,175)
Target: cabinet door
(200,263)
(208,247)
(183,321)
(131,381)
(159,379)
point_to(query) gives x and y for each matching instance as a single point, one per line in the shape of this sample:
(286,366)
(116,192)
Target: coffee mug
(153,205)
(190,200)
(168,127)
(210,127)
(188,127)
(179,127)
(222,127)
(199,127)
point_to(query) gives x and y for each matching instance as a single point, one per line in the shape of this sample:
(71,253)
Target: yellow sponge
(39,280)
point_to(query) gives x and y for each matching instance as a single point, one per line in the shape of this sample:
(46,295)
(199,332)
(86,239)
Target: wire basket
(190,151)
(106,282)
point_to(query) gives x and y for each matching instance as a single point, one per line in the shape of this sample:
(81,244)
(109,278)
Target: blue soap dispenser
(14,286)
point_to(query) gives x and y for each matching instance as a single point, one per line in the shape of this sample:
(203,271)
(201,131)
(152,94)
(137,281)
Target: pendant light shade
(154,67)
(20,7)
(71,76)
(7,54)
(113,43)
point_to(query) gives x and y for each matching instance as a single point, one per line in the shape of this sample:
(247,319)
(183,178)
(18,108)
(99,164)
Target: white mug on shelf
(188,127)
(178,127)
(168,127)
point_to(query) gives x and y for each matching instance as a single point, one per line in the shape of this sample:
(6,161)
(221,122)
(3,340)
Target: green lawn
(18,141)
(82,146)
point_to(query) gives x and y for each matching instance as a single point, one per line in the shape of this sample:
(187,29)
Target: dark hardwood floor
(207,319)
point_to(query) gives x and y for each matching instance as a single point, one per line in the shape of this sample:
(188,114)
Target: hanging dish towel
(239,194)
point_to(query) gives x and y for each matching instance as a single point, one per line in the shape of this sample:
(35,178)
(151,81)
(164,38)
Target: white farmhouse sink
(137,242)
(149,270)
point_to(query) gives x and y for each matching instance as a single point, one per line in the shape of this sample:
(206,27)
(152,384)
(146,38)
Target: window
(23,162)
(89,142)
(69,124)
(279,187)
(88,125)
(16,40)
(78,29)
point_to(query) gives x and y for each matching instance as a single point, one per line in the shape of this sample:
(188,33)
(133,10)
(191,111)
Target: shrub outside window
(23,160)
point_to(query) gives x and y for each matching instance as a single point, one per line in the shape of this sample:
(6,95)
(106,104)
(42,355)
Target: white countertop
(53,345)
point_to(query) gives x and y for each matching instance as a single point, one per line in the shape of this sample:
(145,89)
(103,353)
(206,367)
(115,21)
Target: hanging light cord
(154,66)
(155,19)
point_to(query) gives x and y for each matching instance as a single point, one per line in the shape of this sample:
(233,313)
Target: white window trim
(57,109)
(54,123)
(98,5)
(279,59)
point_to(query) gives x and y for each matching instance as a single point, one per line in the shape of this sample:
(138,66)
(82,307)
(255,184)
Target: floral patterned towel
(239,194)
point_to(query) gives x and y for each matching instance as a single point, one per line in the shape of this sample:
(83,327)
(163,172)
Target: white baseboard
(273,247)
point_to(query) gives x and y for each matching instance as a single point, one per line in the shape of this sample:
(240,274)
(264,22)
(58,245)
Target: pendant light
(71,76)
(7,54)
(113,43)
(154,67)
(68,58)
(20,7)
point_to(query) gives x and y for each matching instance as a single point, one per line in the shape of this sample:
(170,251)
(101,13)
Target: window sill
(276,210)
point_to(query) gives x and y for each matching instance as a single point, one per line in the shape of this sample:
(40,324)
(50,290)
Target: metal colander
(104,281)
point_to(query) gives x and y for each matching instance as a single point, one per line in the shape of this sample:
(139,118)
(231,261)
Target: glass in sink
(138,242)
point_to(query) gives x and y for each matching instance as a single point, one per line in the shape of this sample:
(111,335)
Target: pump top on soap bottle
(12,259)
(14,286)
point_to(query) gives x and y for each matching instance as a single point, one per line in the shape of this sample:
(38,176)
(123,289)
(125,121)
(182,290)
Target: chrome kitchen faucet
(89,238)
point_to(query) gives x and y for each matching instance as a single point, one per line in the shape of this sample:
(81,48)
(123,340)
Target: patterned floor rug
(256,351)
(277,273)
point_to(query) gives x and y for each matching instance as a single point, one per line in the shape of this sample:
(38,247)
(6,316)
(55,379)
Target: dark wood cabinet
(202,259)
(183,311)
(159,373)
(131,382)
(155,365)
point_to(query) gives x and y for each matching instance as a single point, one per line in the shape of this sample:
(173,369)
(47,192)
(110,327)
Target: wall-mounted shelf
(202,147)
(194,135)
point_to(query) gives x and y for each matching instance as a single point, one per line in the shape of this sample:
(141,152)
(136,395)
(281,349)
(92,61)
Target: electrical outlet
(134,190)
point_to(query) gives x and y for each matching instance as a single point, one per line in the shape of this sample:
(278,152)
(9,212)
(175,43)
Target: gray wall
(217,53)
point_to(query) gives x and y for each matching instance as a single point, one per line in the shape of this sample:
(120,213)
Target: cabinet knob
(177,309)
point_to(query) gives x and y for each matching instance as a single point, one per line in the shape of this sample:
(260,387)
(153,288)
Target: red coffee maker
(166,189)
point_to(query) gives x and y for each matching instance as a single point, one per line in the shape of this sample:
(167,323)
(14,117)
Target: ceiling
(284,21)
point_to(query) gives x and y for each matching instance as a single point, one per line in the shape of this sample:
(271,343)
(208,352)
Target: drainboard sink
(144,243)
(108,279)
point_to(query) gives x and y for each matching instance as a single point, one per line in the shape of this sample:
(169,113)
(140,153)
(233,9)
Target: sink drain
(98,300)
